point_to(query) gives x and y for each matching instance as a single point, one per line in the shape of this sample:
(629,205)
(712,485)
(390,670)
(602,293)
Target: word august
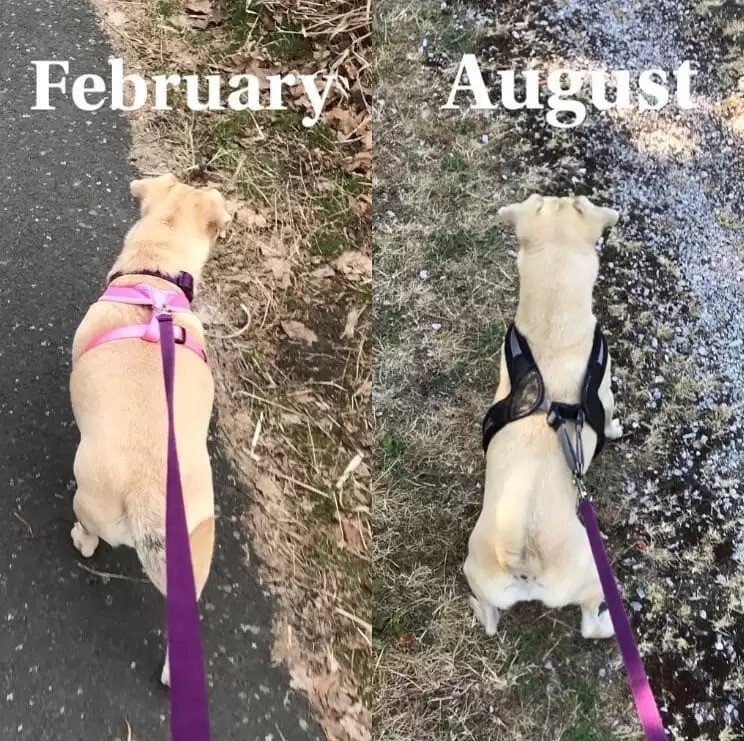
(652,95)
(90,92)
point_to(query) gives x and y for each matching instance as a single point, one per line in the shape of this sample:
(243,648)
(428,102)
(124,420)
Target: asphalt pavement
(80,657)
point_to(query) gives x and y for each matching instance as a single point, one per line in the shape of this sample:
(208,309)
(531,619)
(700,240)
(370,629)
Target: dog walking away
(117,391)
(553,403)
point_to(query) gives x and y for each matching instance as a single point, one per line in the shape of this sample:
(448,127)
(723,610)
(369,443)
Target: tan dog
(528,543)
(119,401)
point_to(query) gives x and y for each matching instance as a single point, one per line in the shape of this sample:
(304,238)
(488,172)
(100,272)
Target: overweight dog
(117,391)
(528,543)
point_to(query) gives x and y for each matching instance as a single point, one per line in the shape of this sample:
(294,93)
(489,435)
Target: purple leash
(643,697)
(189,708)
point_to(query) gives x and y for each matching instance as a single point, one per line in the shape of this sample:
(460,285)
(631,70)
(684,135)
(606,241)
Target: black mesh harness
(527,396)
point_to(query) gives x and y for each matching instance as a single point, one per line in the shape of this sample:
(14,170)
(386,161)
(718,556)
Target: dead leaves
(299,332)
(268,487)
(351,323)
(201,14)
(252,219)
(281,269)
(354,265)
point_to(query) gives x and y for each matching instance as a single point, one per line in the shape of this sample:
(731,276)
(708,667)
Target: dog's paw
(597,626)
(83,540)
(614,430)
(165,675)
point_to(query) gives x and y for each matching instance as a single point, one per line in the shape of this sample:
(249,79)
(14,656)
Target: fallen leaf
(281,269)
(201,14)
(325,271)
(248,217)
(199,7)
(360,162)
(351,322)
(405,641)
(298,331)
(116,18)
(344,119)
(268,487)
(354,264)
(353,537)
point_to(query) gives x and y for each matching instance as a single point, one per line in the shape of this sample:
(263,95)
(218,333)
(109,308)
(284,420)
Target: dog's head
(182,207)
(543,220)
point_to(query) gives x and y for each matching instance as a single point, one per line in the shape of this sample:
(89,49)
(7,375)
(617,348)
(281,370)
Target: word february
(131,92)
(565,84)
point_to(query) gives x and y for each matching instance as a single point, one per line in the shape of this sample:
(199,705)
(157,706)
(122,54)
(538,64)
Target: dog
(118,397)
(528,542)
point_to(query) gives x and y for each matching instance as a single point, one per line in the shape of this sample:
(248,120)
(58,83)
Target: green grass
(446,246)
(287,43)
(454,162)
(490,340)
(393,447)
(165,8)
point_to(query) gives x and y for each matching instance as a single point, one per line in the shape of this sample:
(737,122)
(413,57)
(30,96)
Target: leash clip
(581,487)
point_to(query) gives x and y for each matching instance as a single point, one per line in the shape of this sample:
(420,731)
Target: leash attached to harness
(526,397)
(189,706)
(188,690)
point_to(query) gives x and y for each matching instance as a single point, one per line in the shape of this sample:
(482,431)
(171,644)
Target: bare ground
(286,304)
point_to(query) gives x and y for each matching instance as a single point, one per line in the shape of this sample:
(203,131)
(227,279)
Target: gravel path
(79,656)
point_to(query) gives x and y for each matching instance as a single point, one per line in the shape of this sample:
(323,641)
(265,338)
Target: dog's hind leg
(486,614)
(84,541)
(85,530)
(595,624)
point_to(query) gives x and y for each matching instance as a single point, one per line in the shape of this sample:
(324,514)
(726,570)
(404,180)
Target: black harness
(527,396)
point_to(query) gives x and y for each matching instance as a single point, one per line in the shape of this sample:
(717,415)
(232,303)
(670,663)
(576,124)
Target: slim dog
(528,543)
(118,397)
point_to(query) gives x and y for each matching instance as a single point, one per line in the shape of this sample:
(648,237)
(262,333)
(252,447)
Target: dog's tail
(149,542)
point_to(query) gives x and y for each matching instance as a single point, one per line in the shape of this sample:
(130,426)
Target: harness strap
(590,401)
(182,280)
(189,708)
(143,332)
(158,300)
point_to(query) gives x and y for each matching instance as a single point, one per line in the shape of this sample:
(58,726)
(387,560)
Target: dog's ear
(606,217)
(218,217)
(510,214)
(149,190)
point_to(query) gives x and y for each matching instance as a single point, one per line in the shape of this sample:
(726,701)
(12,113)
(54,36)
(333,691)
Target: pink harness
(160,301)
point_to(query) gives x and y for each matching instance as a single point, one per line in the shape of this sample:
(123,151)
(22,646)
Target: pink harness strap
(160,301)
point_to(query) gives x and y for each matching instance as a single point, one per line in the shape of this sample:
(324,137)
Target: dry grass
(286,304)
(445,290)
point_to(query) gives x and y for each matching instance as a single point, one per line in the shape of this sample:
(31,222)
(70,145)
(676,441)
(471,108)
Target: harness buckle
(554,418)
